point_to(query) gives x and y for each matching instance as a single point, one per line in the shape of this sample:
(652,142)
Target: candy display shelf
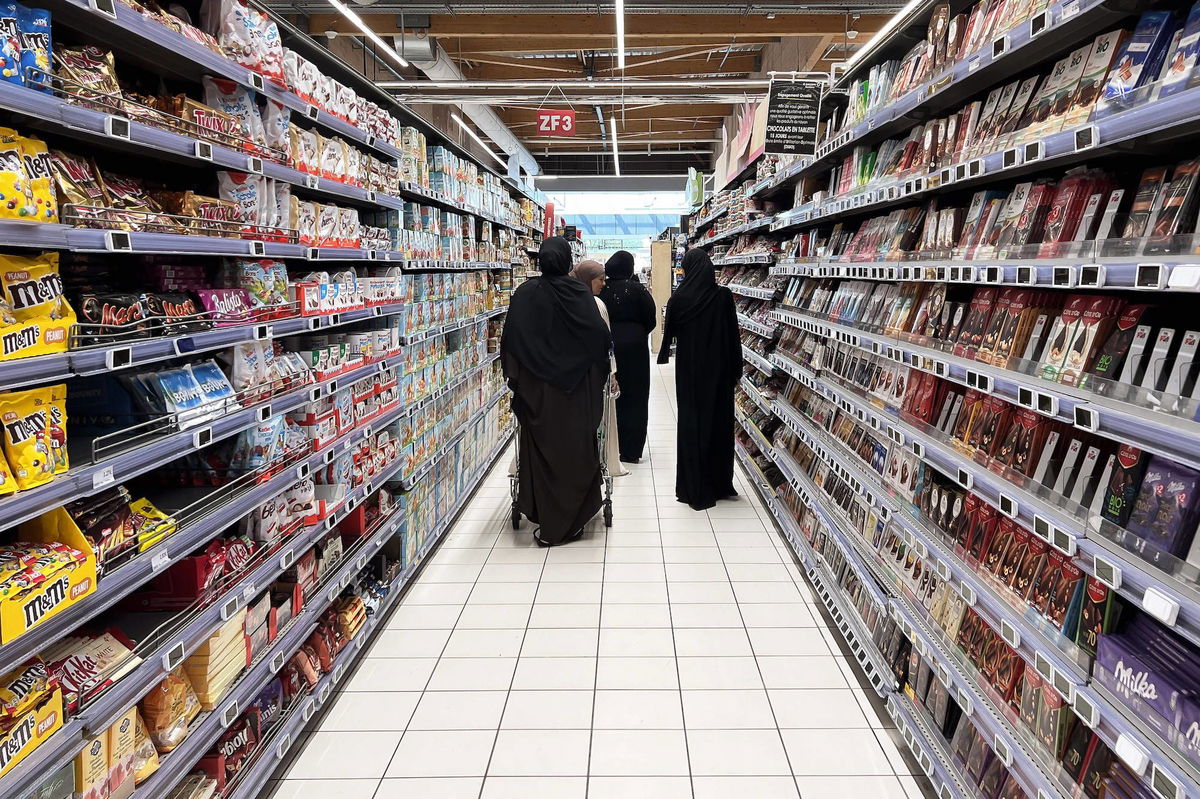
(857,248)
(749,258)
(1157,120)
(170,649)
(756,292)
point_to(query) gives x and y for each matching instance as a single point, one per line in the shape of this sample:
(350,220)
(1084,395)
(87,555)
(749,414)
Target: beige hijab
(587,271)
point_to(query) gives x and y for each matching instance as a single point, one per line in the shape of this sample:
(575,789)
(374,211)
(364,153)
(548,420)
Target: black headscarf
(554,328)
(619,266)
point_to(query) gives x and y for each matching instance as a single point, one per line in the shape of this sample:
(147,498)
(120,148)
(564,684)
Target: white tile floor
(678,654)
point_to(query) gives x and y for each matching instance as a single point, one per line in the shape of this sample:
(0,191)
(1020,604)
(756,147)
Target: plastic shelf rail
(1167,272)
(756,292)
(756,435)
(757,361)
(757,328)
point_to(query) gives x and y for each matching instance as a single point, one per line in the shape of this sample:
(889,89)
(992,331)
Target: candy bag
(252,194)
(17,197)
(90,76)
(34,424)
(226,306)
(33,26)
(10,44)
(240,103)
(36,159)
(276,127)
(168,709)
(150,525)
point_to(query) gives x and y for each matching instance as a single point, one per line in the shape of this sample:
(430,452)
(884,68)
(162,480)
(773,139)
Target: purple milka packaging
(1188,736)
(1164,515)
(1142,688)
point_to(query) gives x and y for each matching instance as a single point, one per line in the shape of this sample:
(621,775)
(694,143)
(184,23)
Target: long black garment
(702,322)
(631,312)
(554,352)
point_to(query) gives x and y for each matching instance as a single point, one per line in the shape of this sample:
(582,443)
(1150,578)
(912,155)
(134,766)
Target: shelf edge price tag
(103,477)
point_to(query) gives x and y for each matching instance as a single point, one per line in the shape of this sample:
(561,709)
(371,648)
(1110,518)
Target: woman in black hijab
(702,322)
(554,351)
(631,311)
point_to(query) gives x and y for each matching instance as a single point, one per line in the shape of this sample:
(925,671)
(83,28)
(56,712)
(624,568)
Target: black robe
(558,485)
(708,365)
(554,352)
(631,312)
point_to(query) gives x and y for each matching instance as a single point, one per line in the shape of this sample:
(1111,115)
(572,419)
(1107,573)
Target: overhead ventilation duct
(415,48)
(438,66)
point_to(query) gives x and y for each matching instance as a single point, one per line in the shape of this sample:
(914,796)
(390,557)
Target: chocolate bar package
(1097,319)
(111,317)
(1124,484)
(1131,673)
(1062,334)
(1111,356)
(1163,514)
(1096,615)
(1075,752)
(1177,211)
(175,312)
(1030,567)
(1145,203)
(1138,60)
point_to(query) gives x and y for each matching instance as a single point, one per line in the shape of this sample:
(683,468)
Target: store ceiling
(660,130)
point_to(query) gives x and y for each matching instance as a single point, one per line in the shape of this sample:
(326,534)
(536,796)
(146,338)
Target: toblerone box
(27,732)
(122,740)
(23,611)
(91,769)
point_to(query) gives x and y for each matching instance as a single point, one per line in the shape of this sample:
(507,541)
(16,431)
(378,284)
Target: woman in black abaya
(554,351)
(702,322)
(631,311)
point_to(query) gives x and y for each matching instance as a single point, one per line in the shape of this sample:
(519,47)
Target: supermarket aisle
(678,655)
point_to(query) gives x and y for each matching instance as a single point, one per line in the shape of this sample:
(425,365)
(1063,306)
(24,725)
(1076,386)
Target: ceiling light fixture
(616,153)
(619,8)
(881,34)
(370,34)
(478,140)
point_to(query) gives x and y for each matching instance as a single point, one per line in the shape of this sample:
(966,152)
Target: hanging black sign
(792,113)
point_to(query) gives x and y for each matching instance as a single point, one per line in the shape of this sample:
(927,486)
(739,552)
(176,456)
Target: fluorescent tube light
(370,34)
(616,152)
(478,140)
(620,11)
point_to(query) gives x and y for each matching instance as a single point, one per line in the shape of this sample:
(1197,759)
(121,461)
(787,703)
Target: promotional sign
(793,109)
(555,123)
(548,221)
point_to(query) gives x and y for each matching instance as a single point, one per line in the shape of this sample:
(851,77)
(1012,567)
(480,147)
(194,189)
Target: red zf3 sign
(556,123)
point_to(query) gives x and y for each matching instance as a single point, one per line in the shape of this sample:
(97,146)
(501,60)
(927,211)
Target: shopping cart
(601,444)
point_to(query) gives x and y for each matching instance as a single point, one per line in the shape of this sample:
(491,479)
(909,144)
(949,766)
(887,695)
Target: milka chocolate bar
(1137,681)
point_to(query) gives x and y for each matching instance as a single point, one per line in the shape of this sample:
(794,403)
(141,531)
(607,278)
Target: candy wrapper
(276,128)
(239,103)
(111,317)
(168,709)
(207,216)
(35,317)
(20,196)
(253,195)
(303,220)
(22,688)
(214,385)
(126,194)
(84,665)
(332,161)
(327,226)
(34,424)
(77,182)
(175,312)
(90,77)
(10,44)
(306,149)
(33,25)
(145,756)
(226,307)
